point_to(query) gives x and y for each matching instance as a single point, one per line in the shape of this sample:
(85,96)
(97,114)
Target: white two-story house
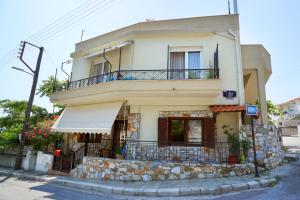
(165,89)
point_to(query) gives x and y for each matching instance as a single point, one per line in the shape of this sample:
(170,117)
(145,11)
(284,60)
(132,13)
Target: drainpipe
(107,61)
(238,57)
(120,59)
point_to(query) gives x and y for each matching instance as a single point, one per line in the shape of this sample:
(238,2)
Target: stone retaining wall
(126,170)
(268,145)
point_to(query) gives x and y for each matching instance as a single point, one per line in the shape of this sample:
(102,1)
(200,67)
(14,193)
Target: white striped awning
(93,118)
(108,49)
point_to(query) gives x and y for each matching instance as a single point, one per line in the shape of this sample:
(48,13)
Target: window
(185,64)
(99,69)
(177,131)
(185,130)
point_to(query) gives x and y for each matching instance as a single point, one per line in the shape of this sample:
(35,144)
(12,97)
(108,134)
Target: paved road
(15,189)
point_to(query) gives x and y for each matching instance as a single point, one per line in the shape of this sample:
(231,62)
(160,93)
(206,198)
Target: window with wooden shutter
(162,131)
(209,132)
(180,131)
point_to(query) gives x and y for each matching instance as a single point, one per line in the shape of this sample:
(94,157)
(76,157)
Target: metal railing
(194,152)
(174,74)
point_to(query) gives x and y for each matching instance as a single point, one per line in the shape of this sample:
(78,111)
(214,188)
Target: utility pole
(31,98)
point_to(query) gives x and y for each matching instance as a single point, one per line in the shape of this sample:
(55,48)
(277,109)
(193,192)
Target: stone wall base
(128,170)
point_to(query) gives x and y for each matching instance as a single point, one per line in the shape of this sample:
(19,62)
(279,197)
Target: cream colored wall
(81,66)
(150,52)
(256,58)
(251,89)
(150,114)
(80,69)
(226,118)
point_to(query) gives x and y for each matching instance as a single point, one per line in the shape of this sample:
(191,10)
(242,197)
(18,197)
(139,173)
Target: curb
(159,192)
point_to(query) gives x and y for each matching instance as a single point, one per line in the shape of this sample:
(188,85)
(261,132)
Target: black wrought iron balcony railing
(174,74)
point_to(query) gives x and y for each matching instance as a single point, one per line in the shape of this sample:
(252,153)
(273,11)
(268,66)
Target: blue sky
(273,23)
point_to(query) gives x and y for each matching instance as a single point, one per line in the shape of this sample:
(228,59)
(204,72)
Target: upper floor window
(185,60)
(99,69)
(185,64)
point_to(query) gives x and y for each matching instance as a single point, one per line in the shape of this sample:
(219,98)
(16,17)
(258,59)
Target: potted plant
(246,145)
(234,145)
(118,152)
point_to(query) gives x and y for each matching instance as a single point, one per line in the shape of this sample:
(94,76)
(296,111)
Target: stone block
(253,184)
(240,186)
(176,170)
(226,188)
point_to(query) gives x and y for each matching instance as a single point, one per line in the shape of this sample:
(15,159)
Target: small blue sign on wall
(251,110)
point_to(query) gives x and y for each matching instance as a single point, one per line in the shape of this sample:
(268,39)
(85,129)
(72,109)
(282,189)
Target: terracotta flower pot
(233,159)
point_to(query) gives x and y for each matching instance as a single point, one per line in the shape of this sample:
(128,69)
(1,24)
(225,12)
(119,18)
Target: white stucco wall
(44,162)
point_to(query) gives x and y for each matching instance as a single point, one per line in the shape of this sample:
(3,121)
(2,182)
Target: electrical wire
(47,32)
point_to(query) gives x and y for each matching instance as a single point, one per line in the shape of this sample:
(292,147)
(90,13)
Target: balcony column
(262,95)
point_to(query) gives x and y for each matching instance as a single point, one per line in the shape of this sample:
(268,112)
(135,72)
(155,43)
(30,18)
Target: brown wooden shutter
(162,137)
(209,132)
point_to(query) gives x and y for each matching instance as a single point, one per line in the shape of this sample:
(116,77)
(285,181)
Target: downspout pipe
(107,61)
(239,66)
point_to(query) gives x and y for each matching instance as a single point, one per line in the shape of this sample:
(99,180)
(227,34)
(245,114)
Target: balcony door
(177,65)
(185,65)
(100,71)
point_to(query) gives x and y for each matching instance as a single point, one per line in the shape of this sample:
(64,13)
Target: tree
(14,113)
(9,138)
(47,88)
(272,109)
(13,119)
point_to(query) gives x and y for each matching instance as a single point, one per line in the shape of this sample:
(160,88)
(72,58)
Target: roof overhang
(227,108)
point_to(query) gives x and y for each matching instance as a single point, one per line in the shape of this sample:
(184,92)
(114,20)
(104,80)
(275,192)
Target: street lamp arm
(22,70)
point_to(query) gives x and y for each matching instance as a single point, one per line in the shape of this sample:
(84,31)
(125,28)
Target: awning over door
(94,118)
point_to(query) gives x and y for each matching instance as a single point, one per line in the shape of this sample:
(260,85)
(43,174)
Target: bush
(9,138)
(246,145)
(41,138)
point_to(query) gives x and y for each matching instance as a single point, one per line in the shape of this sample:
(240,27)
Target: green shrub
(9,138)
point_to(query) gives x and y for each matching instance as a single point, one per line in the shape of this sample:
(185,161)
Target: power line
(67,17)
(89,9)
(11,54)
(49,37)
(69,14)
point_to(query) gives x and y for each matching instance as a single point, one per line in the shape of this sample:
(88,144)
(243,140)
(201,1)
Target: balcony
(177,74)
(153,87)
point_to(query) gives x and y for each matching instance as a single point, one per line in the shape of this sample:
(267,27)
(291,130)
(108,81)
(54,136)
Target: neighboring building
(289,123)
(168,83)
(291,108)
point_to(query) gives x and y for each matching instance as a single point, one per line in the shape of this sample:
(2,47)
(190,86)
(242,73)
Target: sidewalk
(213,186)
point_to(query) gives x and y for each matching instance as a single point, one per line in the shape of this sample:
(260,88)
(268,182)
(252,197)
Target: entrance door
(119,133)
